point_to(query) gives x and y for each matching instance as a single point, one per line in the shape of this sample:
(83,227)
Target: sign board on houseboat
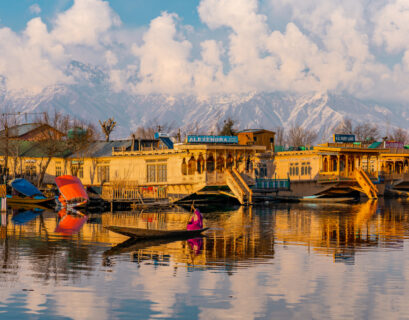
(213,139)
(344,138)
(394,145)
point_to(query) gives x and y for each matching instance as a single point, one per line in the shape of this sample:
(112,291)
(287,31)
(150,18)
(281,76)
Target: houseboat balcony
(335,176)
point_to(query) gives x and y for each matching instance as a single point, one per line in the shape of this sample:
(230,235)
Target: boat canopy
(72,189)
(25,187)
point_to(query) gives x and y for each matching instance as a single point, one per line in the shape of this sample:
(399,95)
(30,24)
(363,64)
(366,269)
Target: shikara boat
(28,194)
(326,200)
(155,234)
(72,191)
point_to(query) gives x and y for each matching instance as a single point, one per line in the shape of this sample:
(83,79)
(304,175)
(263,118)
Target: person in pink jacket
(195,222)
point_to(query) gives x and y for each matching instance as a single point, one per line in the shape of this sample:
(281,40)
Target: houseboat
(331,170)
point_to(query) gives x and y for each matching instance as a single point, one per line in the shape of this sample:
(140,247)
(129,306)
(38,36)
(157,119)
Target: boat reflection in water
(236,239)
(249,235)
(24,216)
(70,222)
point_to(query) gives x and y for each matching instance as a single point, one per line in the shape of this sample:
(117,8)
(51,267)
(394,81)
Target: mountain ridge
(90,97)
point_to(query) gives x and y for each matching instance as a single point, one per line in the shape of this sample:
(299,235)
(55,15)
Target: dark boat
(155,234)
(27,193)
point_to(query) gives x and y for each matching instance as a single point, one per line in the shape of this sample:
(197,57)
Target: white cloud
(35,8)
(392,27)
(85,22)
(290,45)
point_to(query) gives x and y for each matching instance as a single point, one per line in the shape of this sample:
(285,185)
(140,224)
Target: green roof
(375,145)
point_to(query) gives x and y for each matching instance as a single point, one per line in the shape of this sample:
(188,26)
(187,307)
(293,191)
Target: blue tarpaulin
(25,187)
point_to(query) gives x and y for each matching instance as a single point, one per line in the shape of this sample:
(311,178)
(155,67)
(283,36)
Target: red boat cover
(69,223)
(71,189)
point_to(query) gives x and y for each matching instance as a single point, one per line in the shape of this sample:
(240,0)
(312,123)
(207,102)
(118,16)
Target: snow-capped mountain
(90,97)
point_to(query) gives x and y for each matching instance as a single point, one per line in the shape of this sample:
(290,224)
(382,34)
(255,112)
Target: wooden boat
(28,194)
(72,191)
(17,200)
(155,234)
(326,200)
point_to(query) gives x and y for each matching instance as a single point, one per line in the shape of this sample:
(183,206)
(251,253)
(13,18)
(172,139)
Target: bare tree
(148,130)
(107,127)
(366,132)
(400,135)
(61,138)
(7,147)
(279,136)
(298,136)
(228,127)
(345,126)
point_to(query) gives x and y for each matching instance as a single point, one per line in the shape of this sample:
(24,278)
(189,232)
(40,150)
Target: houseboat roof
(254,131)
(29,149)
(99,149)
(21,131)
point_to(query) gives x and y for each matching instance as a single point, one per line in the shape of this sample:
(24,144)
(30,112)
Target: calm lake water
(287,261)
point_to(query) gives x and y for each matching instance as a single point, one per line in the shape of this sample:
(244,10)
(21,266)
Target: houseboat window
(200,164)
(248,164)
(58,170)
(157,173)
(309,170)
(77,169)
(191,166)
(162,173)
(296,171)
(229,161)
(184,167)
(151,171)
(220,163)
(103,173)
(210,163)
(31,170)
(302,170)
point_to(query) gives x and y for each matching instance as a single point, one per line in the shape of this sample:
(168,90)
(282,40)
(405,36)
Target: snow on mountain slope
(91,98)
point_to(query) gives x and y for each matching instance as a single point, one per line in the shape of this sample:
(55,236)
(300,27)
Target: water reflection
(70,222)
(281,260)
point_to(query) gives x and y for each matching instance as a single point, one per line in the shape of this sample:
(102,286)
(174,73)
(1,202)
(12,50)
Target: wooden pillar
(346,167)
(338,164)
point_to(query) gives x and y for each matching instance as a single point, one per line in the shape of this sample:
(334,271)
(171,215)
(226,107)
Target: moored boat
(72,191)
(154,233)
(26,193)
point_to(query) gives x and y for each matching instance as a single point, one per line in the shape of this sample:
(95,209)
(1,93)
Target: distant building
(31,132)
(258,137)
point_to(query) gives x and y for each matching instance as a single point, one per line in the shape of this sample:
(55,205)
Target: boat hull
(28,201)
(154,234)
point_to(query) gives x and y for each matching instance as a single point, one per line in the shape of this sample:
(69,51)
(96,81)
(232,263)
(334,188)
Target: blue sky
(134,13)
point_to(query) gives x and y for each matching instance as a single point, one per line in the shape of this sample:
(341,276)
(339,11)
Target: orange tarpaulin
(71,189)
